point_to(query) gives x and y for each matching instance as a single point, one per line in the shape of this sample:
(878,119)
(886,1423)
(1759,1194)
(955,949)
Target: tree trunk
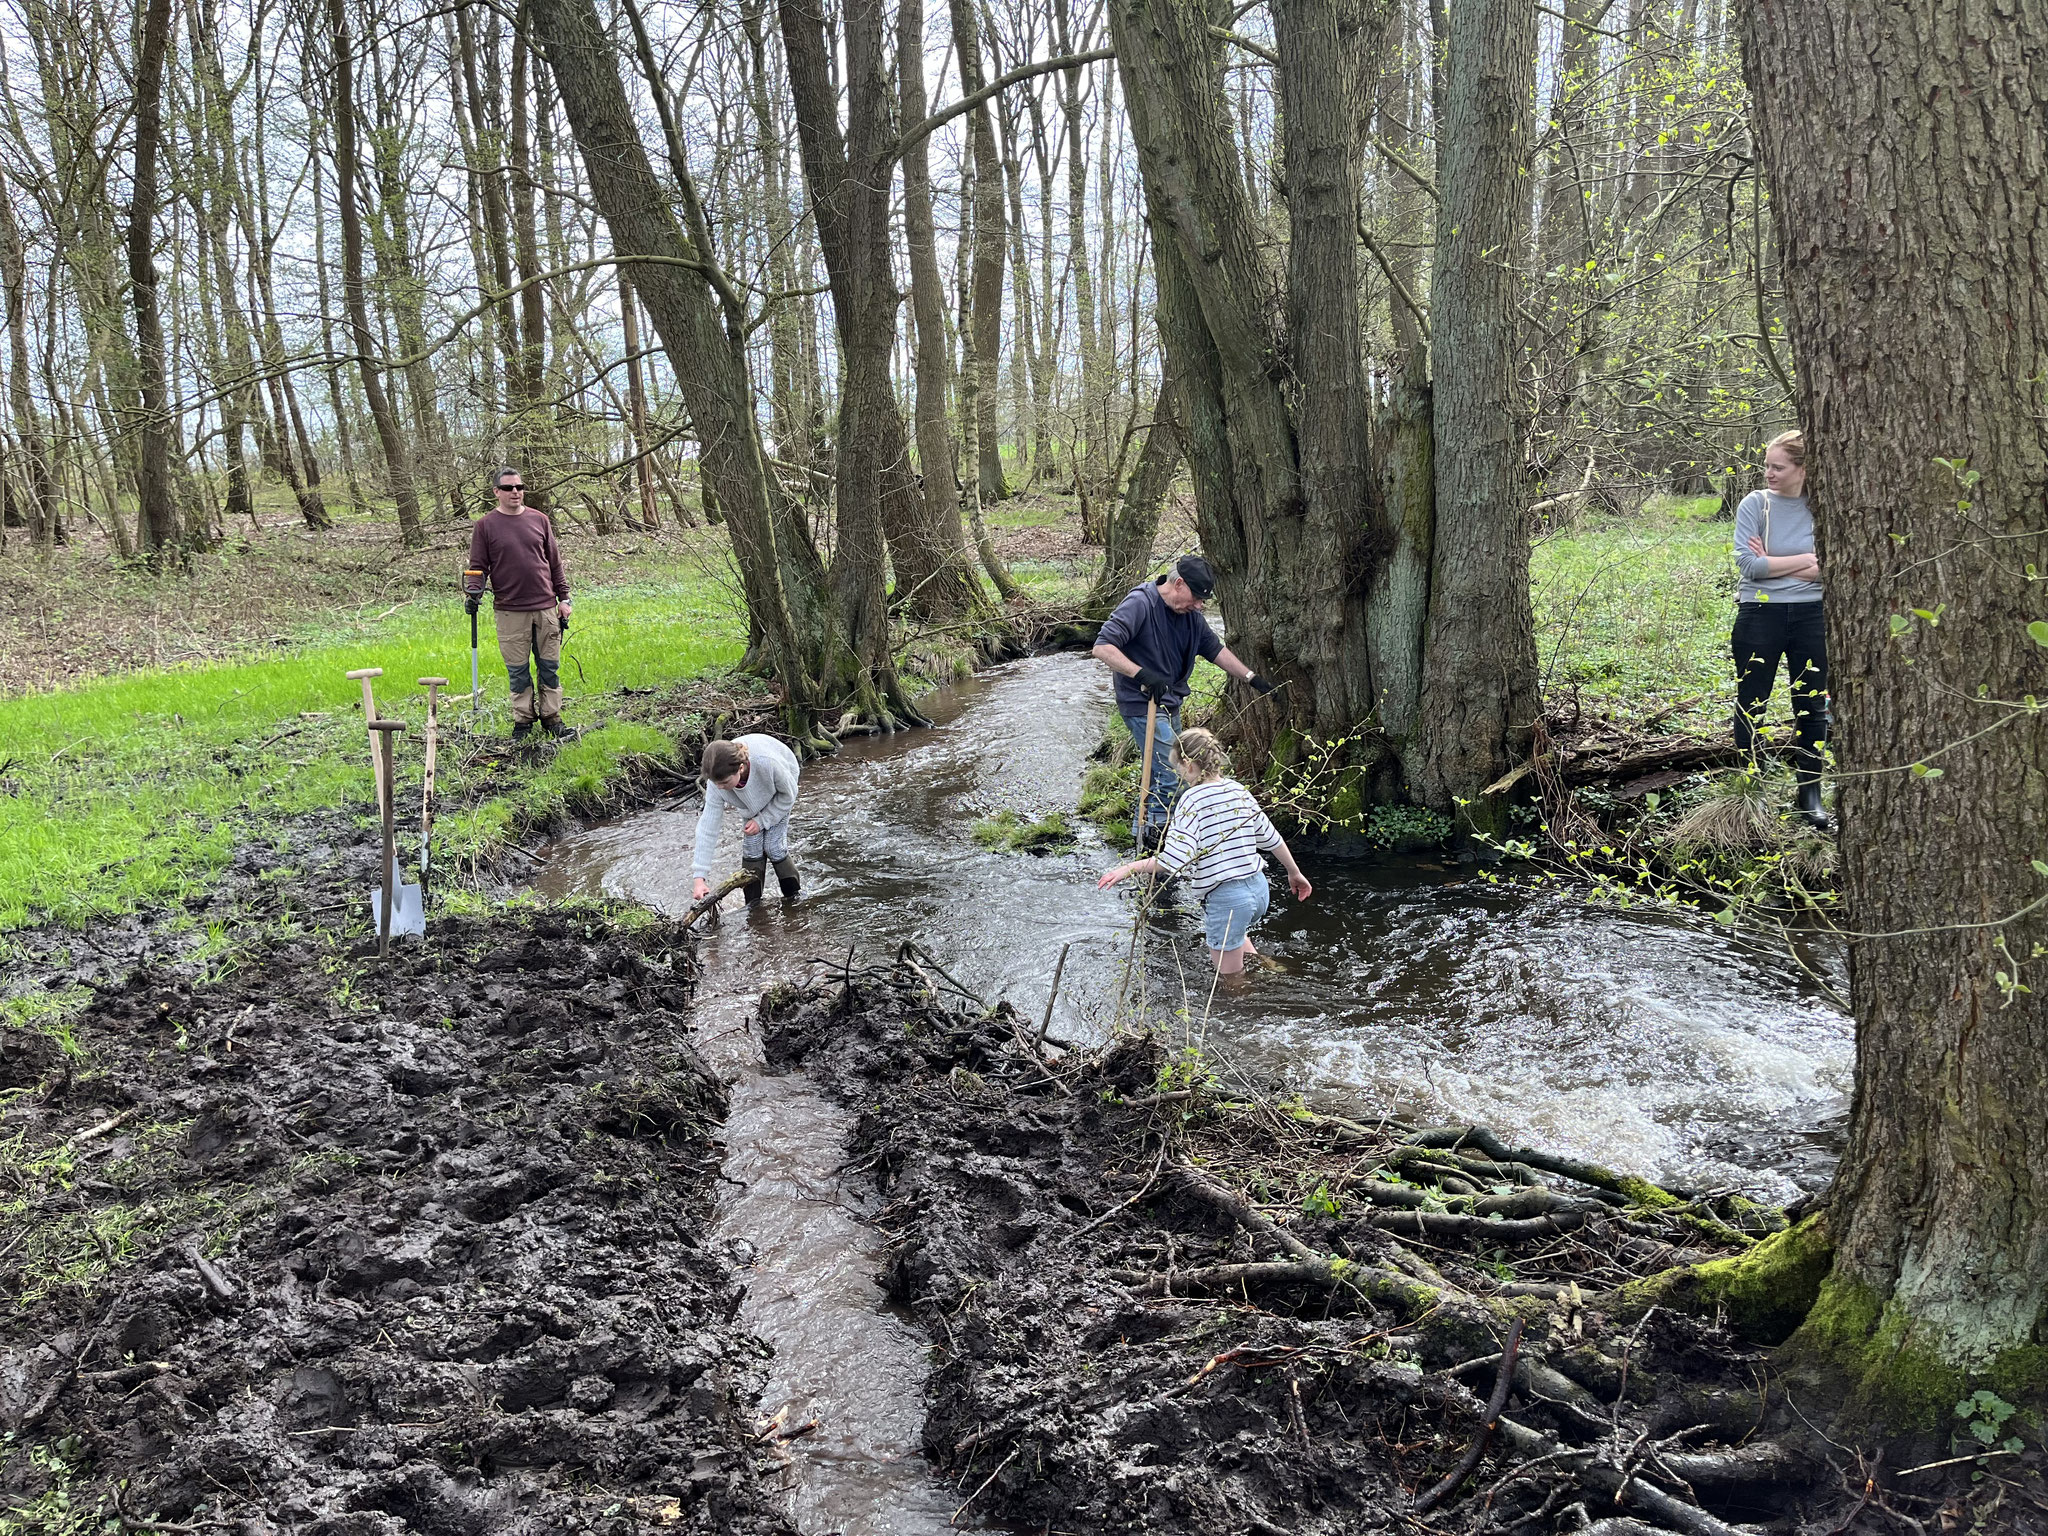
(988,254)
(779,567)
(1132,527)
(636,405)
(937,456)
(44,523)
(530,432)
(397,465)
(971,415)
(1916,275)
(1479,665)
(155,490)
(1285,496)
(1089,471)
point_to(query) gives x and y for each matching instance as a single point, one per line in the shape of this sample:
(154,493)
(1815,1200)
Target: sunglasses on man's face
(511,487)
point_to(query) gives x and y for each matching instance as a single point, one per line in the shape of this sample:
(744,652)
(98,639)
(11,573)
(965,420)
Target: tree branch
(973,99)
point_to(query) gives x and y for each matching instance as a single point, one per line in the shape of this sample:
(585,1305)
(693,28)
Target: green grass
(131,791)
(1052,582)
(1635,612)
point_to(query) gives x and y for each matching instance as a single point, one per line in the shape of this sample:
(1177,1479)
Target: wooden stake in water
(1045,1024)
(1144,773)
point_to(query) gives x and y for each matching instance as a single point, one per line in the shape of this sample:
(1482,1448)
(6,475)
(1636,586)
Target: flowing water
(1643,1040)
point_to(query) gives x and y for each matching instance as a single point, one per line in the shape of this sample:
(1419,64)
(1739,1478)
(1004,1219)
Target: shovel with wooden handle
(381,732)
(363,675)
(1145,774)
(433,685)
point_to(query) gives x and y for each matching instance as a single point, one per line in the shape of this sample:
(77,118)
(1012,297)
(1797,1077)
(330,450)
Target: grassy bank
(125,792)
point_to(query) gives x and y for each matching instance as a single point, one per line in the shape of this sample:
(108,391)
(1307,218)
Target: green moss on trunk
(1893,1379)
(1765,1293)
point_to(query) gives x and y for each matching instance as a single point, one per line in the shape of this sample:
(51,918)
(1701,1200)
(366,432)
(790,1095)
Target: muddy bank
(1159,1308)
(332,1247)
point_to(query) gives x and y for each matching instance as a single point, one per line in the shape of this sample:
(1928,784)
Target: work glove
(470,602)
(565,623)
(1259,683)
(1154,685)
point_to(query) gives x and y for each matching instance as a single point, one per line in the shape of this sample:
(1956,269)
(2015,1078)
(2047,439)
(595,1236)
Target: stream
(1644,1040)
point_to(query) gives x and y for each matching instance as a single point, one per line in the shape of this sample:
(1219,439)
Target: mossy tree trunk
(1905,153)
(1319,519)
(1479,697)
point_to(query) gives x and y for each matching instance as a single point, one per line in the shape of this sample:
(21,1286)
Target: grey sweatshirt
(1785,524)
(766,797)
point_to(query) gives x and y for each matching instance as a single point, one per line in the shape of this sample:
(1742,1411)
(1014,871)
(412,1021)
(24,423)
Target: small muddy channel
(1641,1040)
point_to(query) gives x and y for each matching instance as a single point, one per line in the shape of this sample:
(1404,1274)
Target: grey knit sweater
(1785,524)
(766,797)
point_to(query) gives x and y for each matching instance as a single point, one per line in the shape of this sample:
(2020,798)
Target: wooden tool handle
(364,672)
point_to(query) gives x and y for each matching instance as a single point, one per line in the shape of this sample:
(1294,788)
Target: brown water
(1644,1040)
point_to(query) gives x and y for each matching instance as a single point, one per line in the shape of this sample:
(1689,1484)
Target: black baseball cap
(1198,574)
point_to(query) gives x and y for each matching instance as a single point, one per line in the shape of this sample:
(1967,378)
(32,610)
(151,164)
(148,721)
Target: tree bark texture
(397,462)
(155,491)
(1130,529)
(988,251)
(1479,663)
(1270,384)
(1909,184)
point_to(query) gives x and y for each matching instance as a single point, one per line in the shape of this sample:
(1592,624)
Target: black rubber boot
(756,871)
(552,725)
(786,875)
(522,730)
(1807,798)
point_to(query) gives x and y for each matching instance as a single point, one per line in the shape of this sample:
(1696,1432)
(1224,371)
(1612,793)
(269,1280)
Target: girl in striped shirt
(1214,845)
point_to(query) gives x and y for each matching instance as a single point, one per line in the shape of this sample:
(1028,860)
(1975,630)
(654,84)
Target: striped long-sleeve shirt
(1217,834)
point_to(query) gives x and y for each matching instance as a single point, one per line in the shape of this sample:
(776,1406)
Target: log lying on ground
(1638,1191)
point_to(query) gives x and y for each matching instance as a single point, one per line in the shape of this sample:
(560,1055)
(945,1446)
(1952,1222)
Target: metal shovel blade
(408,912)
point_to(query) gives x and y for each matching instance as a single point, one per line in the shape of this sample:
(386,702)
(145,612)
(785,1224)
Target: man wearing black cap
(1151,643)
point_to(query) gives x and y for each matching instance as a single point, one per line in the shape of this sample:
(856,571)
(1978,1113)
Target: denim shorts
(1230,909)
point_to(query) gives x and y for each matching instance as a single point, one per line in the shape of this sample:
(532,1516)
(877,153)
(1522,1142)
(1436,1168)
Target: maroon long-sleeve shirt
(519,556)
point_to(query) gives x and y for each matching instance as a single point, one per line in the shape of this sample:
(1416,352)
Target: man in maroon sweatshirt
(514,546)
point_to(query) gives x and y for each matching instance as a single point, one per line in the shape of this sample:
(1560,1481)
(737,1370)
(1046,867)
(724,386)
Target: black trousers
(1796,632)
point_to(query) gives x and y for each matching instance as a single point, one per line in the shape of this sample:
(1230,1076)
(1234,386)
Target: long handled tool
(473,587)
(381,732)
(433,685)
(363,675)
(1145,775)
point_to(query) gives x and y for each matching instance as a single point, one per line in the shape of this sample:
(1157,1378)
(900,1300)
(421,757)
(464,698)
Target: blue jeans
(1230,909)
(1165,785)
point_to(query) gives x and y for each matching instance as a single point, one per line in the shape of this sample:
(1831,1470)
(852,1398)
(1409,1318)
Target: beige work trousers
(532,642)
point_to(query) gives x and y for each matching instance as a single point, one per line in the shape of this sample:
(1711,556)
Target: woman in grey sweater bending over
(757,776)
(1213,844)
(1778,613)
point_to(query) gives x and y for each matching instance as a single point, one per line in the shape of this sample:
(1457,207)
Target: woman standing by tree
(1778,614)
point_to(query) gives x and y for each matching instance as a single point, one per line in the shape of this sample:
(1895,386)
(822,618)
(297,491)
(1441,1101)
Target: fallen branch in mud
(1464,1469)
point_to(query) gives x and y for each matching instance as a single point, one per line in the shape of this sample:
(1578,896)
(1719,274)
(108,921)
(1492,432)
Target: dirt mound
(352,1250)
(1156,1309)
